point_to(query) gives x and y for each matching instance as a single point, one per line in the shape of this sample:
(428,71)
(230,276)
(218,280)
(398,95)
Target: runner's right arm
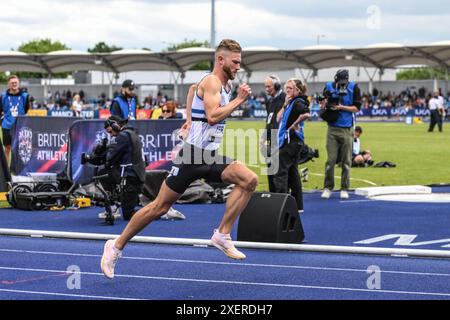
(211,87)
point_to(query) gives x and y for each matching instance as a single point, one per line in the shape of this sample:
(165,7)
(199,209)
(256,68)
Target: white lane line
(65,294)
(337,177)
(228,263)
(262,284)
(348,201)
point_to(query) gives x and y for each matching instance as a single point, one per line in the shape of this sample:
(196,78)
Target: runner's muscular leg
(142,218)
(245,182)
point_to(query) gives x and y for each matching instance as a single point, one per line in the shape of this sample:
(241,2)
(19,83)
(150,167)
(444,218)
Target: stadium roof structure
(379,56)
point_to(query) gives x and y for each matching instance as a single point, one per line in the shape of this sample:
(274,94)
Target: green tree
(102,47)
(205,65)
(421,74)
(41,46)
(37,46)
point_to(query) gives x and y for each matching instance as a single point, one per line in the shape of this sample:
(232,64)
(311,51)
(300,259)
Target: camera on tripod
(110,196)
(98,155)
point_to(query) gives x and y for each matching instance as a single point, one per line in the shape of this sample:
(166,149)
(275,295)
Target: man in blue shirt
(13,102)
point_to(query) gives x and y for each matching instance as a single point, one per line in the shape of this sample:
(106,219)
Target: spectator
(168,111)
(77,105)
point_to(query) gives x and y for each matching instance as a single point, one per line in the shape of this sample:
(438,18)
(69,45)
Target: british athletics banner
(40,144)
(158,138)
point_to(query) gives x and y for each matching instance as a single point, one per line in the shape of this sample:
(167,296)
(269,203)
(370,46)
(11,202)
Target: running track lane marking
(66,295)
(227,263)
(264,284)
(336,177)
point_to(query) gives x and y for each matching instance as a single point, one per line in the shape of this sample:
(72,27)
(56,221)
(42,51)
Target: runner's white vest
(202,135)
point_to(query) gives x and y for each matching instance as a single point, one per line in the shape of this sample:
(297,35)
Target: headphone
(113,124)
(276,82)
(341,75)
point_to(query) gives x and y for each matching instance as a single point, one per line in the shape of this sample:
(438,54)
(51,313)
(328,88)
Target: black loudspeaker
(271,217)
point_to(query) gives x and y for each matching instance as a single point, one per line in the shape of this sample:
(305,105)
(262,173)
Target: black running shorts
(193,163)
(7,139)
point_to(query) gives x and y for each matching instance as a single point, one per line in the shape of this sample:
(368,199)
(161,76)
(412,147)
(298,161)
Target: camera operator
(291,139)
(274,104)
(342,98)
(127,150)
(124,105)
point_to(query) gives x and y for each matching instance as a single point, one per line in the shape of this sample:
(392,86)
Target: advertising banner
(158,138)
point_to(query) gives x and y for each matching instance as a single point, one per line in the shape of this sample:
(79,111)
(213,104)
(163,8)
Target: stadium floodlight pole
(212,42)
(318,38)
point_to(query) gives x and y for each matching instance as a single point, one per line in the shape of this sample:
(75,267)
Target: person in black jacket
(274,104)
(125,159)
(291,137)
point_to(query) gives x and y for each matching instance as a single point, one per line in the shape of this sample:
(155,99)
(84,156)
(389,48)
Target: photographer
(291,139)
(124,105)
(274,104)
(127,150)
(342,98)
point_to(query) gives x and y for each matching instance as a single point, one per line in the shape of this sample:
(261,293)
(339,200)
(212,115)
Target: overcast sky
(286,24)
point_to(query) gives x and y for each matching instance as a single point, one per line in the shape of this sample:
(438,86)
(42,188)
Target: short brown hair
(13,76)
(171,106)
(229,45)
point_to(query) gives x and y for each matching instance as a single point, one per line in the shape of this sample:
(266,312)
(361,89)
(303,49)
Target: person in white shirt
(436,106)
(360,158)
(77,105)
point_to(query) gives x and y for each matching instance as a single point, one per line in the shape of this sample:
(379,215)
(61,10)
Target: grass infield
(421,157)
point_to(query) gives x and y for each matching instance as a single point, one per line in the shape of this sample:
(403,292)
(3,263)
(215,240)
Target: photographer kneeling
(291,140)
(125,160)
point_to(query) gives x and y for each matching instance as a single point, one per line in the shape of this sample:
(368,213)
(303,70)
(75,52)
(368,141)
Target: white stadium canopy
(379,56)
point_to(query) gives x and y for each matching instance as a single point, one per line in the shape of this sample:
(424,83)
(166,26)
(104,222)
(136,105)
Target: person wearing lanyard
(274,104)
(13,102)
(124,105)
(291,139)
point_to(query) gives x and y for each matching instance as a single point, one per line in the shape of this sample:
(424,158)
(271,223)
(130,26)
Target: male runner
(210,107)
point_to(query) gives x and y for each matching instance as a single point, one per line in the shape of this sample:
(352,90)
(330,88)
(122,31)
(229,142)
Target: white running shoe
(173,214)
(344,194)
(115,211)
(109,259)
(224,243)
(326,194)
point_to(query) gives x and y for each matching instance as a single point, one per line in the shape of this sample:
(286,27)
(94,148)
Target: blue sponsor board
(158,138)
(40,144)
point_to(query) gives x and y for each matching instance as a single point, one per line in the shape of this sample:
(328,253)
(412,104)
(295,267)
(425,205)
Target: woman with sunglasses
(168,111)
